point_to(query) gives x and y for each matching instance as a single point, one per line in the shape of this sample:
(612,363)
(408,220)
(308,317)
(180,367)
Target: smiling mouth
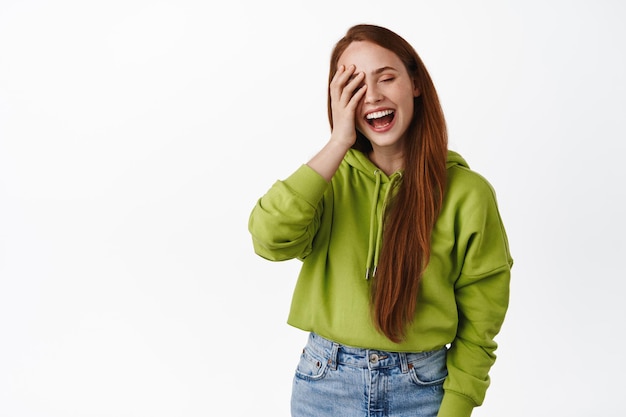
(379,119)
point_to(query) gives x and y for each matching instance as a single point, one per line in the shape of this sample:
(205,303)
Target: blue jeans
(342,381)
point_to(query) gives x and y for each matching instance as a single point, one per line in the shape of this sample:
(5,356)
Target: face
(386,110)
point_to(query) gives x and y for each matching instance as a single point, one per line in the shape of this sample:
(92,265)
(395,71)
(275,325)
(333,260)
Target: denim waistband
(365,358)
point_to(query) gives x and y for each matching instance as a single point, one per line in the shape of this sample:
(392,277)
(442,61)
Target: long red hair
(414,210)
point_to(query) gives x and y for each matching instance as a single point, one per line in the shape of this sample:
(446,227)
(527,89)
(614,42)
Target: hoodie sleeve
(285,220)
(482,296)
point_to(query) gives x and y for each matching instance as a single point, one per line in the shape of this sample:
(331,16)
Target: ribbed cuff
(454,405)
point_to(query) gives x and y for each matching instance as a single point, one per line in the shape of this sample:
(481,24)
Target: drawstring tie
(376,223)
(372,244)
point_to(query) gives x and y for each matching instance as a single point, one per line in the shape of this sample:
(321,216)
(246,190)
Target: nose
(372,95)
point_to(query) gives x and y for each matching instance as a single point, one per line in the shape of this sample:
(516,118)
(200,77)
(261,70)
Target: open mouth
(380,119)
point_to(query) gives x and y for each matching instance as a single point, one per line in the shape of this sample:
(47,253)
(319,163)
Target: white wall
(135,137)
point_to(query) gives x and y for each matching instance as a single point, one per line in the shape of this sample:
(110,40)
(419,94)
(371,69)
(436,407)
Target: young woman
(406,266)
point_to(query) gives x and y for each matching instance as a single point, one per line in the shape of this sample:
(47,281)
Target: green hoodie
(335,229)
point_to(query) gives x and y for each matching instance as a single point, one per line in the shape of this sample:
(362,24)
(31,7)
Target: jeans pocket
(430,369)
(312,366)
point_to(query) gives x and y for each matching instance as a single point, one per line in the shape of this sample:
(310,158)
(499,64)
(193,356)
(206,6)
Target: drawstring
(372,244)
(373,253)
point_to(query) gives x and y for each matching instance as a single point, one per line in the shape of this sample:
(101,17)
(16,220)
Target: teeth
(378,114)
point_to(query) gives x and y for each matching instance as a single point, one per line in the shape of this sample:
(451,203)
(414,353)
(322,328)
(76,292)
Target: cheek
(361,124)
(408,100)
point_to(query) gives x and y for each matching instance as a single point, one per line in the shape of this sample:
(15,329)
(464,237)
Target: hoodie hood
(358,160)
(384,188)
(454,159)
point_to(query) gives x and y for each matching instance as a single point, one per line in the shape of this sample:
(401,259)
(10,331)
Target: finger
(340,79)
(358,94)
(354,83)
(343,73)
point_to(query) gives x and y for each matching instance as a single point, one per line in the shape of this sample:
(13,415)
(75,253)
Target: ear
(416,90)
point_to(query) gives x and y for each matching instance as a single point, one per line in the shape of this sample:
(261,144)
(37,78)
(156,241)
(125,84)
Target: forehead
(368,56)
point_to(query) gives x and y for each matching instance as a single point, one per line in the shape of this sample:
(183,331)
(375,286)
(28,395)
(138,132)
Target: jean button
(374,358)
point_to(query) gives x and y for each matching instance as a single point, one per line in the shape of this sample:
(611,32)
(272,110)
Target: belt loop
(404,364)
(332,361)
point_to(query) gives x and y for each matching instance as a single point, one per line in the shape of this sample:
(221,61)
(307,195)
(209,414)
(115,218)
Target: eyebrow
(383,69)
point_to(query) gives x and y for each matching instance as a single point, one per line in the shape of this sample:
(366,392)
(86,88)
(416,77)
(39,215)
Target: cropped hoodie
(335,228)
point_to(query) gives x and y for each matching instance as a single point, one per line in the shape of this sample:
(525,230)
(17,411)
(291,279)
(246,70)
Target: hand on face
(346,91)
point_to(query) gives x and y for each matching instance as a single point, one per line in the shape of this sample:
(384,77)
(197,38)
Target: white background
(135,137)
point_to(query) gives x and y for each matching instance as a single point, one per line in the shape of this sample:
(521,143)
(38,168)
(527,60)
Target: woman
(406,267)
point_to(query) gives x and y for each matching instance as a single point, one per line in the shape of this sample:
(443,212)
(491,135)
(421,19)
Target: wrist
(340,143)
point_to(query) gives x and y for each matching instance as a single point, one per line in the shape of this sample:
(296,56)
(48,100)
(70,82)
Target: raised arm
(346,92)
